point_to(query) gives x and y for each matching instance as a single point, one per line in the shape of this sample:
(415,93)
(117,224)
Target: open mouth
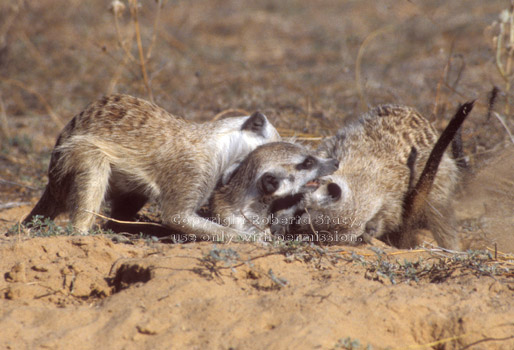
(313,185)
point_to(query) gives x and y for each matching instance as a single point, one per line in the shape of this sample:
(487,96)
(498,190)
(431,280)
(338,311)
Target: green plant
(228,257)
(351,344)
(40,226)
(279,282)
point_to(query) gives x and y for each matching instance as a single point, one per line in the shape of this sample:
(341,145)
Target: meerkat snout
(304,177)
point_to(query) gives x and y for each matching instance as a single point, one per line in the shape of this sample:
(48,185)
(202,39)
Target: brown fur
(377,169)
(127,150)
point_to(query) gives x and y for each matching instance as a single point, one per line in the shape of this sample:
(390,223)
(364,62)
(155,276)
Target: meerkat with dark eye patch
(373,193)
(271,171)
(126,150)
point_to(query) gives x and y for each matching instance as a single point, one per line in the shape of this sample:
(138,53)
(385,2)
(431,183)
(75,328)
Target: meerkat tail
(47,206)
(415,199)
(411,163)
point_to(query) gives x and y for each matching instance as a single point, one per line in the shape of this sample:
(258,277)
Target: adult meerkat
(374,193)
(272,171)
(127,151)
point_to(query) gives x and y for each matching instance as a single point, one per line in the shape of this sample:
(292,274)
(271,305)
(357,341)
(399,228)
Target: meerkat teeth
(313,183)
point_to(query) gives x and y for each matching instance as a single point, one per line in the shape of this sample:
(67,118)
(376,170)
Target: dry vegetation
(310,66)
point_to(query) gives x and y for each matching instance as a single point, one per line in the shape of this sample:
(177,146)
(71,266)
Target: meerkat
(374,193)
(126,150)
(270,172)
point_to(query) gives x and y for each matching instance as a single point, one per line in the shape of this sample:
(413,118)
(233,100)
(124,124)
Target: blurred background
(295,59)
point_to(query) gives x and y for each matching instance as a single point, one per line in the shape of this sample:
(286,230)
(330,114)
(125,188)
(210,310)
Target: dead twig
(12,183)
(251,222)
(125,222)
(4,126)
(135,18)
(502,122)
(504,45)
(230,111)
(155,30)
(10,205)
(492,100)
(117,8)
(360,55)
(55,117)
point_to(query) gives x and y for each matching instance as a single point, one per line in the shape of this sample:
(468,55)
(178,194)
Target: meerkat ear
(268,183)
(256,122)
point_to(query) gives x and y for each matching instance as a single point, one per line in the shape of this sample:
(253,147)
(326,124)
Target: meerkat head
(281,168)
(258,130)
(326,214)
(237,136)
(271,171)
(244,134)
(333,192)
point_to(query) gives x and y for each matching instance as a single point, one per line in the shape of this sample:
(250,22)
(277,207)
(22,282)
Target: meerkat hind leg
(440,221)
(87,194)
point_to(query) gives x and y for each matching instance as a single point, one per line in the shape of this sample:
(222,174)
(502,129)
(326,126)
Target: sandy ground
(91,292)
(310,67)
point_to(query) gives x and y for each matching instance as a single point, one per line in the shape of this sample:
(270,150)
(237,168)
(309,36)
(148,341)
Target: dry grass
(297,60)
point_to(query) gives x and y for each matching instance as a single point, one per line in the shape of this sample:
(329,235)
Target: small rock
(17,273)
(151,327)
(496,287)
(98,291)
(80,241)
(13,293)
(39,268)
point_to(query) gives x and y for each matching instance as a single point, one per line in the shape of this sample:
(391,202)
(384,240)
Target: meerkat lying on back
(127,151)
(372,194)
(271,171)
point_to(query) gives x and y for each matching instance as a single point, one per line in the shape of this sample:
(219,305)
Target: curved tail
(416,198)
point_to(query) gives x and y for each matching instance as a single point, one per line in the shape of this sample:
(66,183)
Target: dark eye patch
(285,202)
(307,164)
